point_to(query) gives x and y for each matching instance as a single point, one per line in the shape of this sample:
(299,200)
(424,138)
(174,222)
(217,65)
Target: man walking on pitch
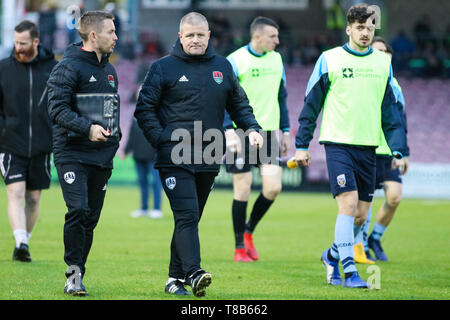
(261,73)
(190,88)
(82,94)
(353,86)
(387,178)
(25,132)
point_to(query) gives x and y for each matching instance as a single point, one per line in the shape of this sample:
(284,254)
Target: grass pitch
(129,258)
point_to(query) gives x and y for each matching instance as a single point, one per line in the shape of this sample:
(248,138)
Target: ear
(92,36)
(179,35)
(347,30)
(36,42)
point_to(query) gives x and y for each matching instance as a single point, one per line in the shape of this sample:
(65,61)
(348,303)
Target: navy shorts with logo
(385,171)
(34,171)
(351,168)
(268,154)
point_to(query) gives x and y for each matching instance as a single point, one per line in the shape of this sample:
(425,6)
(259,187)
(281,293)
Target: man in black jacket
(186,93)
(83,149)
(144,156)
(25,132)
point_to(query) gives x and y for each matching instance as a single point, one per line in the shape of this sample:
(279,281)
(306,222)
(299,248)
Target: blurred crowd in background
(426,54)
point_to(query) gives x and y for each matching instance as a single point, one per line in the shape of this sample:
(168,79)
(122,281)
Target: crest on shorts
(111,80)
(69,177)
(218,77)
(341,180)
(239,163)
(171,182)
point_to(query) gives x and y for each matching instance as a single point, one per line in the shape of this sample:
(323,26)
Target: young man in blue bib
(352,86)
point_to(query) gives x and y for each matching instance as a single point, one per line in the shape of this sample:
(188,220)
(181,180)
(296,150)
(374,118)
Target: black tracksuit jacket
(180,89)
(138,145)
(79,72)
(25,128)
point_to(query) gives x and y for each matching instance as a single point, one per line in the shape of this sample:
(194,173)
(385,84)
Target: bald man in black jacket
(183,94)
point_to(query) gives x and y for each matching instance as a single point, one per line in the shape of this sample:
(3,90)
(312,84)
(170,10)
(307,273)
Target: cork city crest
(218,77)
(111,80)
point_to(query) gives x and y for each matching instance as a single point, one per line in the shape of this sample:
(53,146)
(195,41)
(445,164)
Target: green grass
(129,258)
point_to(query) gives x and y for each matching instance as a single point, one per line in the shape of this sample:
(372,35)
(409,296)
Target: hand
(256,139)
(233,142)
(303,158)
(402,163)
(98,134)
(285,144)
(122,156)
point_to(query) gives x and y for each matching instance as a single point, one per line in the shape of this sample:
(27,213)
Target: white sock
(28,236)
(21,237)
(173,279)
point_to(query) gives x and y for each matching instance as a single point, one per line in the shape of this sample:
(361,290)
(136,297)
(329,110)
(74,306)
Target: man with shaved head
(190,88)
(260,71)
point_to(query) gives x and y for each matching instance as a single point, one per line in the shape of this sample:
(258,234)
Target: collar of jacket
(356,53)
(253,52)
(177,51)
(43,55)
(75,51)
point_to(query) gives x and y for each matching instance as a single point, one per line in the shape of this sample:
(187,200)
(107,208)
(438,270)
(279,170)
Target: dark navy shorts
(268,154)
(34,171)
(385,172)
(351,169)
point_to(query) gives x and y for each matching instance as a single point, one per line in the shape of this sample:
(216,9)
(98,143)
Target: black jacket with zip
(25,128)
(79,72)
(182,89)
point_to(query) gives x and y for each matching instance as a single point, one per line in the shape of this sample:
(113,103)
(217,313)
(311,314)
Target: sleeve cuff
(397,154)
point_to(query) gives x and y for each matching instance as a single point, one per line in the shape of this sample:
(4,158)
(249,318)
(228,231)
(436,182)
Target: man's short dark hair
(387,45)
(260,22)
(27,25)
(92,21)
(359,13)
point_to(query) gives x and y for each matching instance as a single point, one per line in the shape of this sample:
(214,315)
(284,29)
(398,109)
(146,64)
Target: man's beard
(25,55)
(106,49)
(361,44)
